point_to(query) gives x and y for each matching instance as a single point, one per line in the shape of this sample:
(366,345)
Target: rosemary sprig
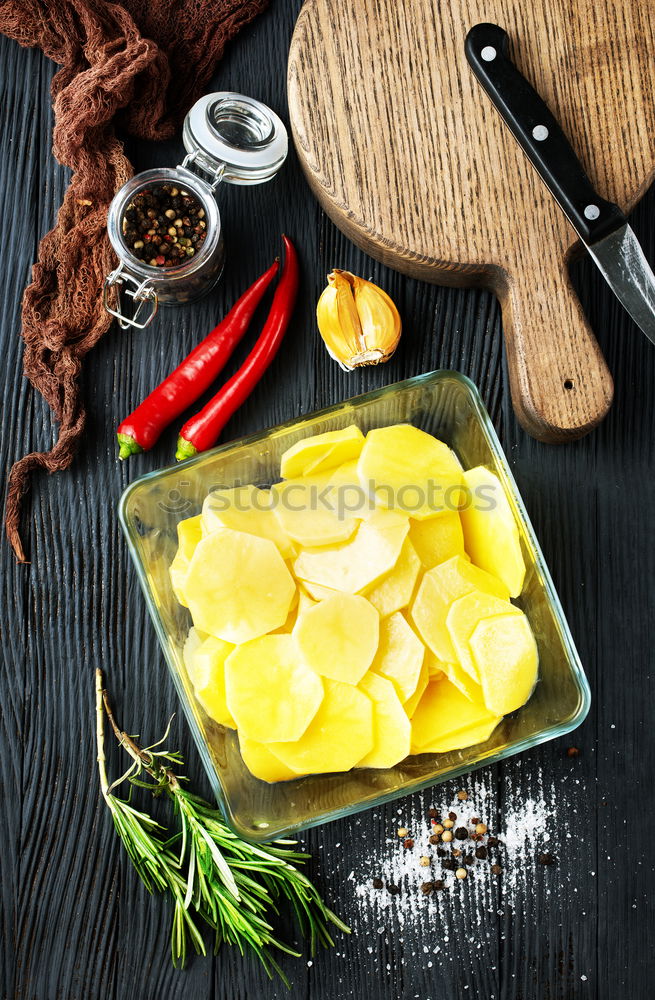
(213,876)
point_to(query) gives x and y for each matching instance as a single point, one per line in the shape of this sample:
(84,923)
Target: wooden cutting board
(408,157)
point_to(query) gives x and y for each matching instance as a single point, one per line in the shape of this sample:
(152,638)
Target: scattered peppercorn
(434,839)
(402,831)
(433,814)
(441,853)
(462,795)
(546,859)
(453,816)
(447,837)
(481,853)
(461,833)
(147,220)
(492,842)
(468,859)
(394,890)
(408,844)
(496,869)
(448,824)
(456,852)
(572,752)
(424,861)
(438,828)
(450,865)
(461,873)
(438,884)
(378,883)
(480,827)
(426,888)
(474,820)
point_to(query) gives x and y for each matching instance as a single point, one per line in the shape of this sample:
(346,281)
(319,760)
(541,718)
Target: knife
(600,224)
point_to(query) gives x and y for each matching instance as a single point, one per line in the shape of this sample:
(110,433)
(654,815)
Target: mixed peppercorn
(164,226)
(456,848)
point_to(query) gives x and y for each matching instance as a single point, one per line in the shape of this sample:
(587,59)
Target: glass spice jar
(229,138)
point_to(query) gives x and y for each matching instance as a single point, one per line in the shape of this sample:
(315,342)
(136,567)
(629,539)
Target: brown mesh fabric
(139,64)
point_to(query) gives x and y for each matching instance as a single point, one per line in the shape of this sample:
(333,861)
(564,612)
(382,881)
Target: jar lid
(235,138)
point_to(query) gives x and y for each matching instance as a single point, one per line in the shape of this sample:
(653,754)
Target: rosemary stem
(100,740)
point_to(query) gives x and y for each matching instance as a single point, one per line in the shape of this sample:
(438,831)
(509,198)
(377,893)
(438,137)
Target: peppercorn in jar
(164,224)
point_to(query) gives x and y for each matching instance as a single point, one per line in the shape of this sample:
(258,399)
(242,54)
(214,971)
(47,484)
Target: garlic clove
(357,320)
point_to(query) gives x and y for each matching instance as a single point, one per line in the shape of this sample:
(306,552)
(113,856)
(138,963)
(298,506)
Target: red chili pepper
(203,430)
(193,376)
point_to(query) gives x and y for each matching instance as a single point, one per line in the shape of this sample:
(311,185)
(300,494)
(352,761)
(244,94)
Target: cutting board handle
(561,386)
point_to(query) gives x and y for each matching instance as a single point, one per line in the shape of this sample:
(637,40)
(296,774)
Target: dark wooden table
(76,921)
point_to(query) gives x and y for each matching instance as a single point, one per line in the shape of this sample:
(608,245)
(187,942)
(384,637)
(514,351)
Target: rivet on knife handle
(539,134)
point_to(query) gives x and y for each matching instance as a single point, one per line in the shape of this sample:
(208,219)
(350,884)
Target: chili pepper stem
(127,446)
(184,450)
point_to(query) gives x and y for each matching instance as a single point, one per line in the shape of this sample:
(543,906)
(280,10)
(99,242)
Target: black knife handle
(539,134)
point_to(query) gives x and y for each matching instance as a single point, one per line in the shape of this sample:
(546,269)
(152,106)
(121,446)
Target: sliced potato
(262,763)
(359,563)
(442,712)
(505,654)
(206,668)
(412,703)
(318,593)
(338,637)
(391,727)
(437,538)
(238,586)
(394,591)
(438,589)
(491,534)
(249,509)
(400,655)
(339,736)
(410,471)
(463,616)
(321,452)
(463,681)
(189,533)
(307,515)
(469,736)
(436,669)
(271,692)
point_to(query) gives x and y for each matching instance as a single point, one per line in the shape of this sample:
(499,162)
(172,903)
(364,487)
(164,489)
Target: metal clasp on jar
(142,294)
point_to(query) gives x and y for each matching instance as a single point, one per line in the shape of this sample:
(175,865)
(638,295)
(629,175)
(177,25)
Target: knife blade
(600,224)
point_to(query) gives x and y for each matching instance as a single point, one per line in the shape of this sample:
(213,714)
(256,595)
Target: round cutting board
(409,158)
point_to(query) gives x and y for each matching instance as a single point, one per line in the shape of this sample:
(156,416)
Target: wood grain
(76,923)
(407,155)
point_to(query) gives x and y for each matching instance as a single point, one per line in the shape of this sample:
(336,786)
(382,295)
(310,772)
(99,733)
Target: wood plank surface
(76,922)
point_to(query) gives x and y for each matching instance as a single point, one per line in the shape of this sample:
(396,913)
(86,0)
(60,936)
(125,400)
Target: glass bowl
(447,405)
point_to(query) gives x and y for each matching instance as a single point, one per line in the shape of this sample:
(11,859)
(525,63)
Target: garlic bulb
(357,320)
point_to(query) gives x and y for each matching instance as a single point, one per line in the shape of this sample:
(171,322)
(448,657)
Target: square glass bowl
(447,405)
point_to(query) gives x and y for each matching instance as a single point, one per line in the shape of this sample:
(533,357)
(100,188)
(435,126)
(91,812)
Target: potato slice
(189,533)
(206,669)
(238,586)
(249,509)
(470,736)
(438,589)
(271,692)
(339,736)
(400,655)
(262,763)
(391,727)
(307,516)
(354,565)
(394,591)
(317,592)
(505,654)
(437,538)
(339,637)
(410,471)
(463,617)
(442,712)
(491,534)
(320,452)
(463,681)
(412,703)
(436,669)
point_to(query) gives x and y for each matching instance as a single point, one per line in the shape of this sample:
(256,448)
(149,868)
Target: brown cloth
(140,64)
